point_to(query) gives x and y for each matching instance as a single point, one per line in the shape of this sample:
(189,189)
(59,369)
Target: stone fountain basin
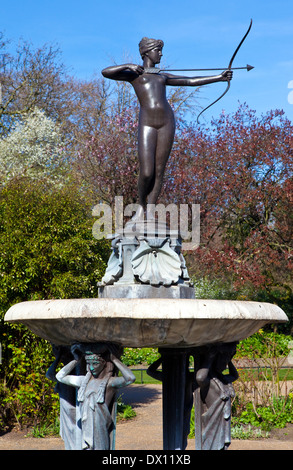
(144,322)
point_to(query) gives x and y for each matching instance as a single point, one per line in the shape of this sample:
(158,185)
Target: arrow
(157,70)
(248,68)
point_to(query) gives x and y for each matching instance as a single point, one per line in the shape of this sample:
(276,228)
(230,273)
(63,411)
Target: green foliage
(206,288)
(240,431)
(48,251)
(282,296)
(211,287)
(124,411)
(133,356)
(277,415)
(27,397)
(264,345)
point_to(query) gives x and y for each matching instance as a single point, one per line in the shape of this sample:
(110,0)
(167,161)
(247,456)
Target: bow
(229,68)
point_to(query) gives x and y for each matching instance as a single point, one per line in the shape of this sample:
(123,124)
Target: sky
(93,34)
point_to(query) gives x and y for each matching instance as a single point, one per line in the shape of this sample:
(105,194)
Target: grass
(284,374)
(141,377)
(263,373)
(45,430)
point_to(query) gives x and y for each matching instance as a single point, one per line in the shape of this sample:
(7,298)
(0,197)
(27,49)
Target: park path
(143,432)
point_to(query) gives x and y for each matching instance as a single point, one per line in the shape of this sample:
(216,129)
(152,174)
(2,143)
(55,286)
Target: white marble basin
(144,322)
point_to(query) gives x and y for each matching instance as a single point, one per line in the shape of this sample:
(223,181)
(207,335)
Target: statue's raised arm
(125,72)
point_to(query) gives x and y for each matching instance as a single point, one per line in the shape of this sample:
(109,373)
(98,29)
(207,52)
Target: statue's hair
(147,44)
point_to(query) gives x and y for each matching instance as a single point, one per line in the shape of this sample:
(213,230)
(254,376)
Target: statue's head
(149,46)
(97,356)
(225,353)
(96,363)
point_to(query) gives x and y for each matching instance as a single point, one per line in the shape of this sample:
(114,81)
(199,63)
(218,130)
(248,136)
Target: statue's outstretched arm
(176,80)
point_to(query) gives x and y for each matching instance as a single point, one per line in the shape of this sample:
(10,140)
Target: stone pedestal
(146,253)
(146,291)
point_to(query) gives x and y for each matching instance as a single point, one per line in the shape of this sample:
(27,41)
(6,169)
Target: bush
(124,412)
(277,415)
(210,287)
(48,251)
(264,345)
(32,400)
(135,356)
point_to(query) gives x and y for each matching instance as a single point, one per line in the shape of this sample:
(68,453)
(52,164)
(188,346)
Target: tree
(108,162)
(31,77)
(34,148)
(240,172)
(47,251)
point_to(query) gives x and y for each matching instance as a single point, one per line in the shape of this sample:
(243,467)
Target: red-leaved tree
(240,172)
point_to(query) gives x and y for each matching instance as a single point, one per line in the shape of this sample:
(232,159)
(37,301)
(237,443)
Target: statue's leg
(147,142)
(163,150)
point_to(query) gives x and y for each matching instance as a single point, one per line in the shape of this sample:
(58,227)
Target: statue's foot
(150,215)
(139,215)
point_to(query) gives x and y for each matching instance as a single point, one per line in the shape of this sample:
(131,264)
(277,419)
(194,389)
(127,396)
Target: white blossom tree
(34,148)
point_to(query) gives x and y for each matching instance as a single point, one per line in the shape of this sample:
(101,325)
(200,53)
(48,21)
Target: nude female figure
(156,119)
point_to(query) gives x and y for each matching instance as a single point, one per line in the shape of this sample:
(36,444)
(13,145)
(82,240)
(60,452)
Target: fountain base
(172,320)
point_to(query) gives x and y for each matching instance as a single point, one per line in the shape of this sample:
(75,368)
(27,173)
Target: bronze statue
(96,392)
(67,397)
(156,119)
(213,396)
